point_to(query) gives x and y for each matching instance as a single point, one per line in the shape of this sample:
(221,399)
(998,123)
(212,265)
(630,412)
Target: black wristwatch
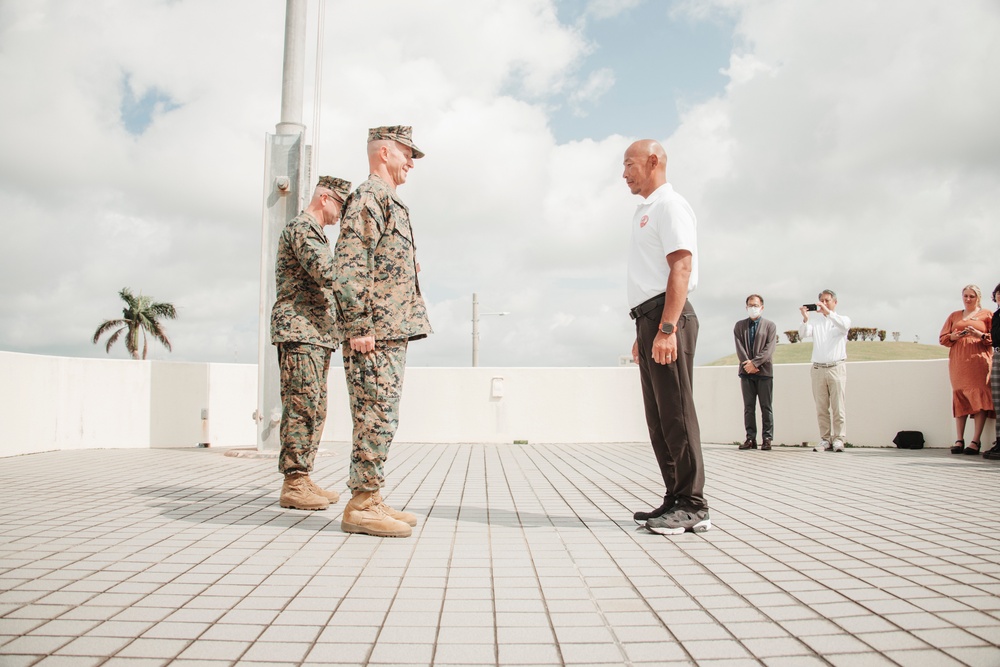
(667,328)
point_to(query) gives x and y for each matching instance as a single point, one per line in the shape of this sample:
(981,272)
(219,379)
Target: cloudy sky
(851,145)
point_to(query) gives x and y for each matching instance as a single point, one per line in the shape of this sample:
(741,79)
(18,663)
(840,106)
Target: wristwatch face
(667,328)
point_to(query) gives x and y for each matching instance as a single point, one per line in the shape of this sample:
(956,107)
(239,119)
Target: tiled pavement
(525,555)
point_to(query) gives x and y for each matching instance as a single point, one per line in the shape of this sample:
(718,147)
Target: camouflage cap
(401,133)
(339,186)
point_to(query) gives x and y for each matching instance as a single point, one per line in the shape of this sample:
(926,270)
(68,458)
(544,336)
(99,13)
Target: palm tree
(140,314)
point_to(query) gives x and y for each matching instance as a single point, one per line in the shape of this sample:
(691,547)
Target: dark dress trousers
(757,386)
(668,396)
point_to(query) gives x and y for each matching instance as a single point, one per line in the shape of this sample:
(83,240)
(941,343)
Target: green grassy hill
(859,350)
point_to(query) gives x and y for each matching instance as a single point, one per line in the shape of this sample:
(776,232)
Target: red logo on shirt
(643,221)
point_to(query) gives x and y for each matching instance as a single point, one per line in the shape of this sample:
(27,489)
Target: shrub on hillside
(865,333)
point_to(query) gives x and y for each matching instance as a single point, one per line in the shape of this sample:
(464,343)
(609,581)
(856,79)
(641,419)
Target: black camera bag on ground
(909,440)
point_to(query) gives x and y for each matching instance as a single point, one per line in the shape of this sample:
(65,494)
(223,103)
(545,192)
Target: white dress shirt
(829,336)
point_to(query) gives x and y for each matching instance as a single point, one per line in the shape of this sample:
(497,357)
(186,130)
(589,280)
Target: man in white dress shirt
(828,331)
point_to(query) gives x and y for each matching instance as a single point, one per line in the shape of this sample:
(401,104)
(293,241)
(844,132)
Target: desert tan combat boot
(296,494)
(406,517)
(364,515)
(331,496)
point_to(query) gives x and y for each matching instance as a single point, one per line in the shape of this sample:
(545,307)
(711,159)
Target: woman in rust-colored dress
(966,333)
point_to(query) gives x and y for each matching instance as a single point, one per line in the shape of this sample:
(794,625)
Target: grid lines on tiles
(525,554)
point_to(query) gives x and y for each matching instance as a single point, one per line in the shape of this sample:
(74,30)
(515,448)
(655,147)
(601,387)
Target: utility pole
(475,327)
(293,68)
(286,176)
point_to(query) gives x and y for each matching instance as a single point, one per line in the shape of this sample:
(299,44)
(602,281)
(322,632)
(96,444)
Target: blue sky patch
(138,112)
(651,63)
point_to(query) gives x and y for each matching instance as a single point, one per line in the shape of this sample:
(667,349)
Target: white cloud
(594,88)
(175,212)
(849,151)
(606,9)
(744,67)
(855,147)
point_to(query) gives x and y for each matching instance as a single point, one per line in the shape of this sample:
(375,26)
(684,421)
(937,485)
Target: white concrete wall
(232,395)
(605,404)
(538,405)
(180,393)
(177,394)
(49,403)
(883,397)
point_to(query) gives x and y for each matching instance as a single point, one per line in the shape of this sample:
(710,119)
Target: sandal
(973,451)
(959,447)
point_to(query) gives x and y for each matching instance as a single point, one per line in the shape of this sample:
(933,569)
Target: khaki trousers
(830,392)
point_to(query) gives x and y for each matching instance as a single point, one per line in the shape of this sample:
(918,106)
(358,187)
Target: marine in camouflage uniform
(303,326)
(380,309)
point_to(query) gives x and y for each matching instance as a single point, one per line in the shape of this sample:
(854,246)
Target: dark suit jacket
(763,345)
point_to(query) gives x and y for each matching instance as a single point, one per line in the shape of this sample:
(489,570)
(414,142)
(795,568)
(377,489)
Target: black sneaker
(642,517)
(680,521)
(993,454)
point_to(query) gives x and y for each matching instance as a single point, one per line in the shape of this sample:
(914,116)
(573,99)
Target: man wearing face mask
(755,341)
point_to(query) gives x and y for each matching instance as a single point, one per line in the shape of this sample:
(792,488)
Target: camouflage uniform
(377,295)
(304,371)
(374,385)
(303,327)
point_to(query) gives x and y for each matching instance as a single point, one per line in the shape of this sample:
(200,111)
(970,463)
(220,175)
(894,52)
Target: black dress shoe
(766,445)
(642,517)
(749,444)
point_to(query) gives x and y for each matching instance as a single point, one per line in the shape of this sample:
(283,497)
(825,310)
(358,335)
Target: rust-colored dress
(969,361)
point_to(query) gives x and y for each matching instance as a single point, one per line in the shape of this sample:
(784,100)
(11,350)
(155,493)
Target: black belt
(648,306)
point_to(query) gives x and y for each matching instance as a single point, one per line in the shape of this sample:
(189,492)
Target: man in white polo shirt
(828,331)
(662,271)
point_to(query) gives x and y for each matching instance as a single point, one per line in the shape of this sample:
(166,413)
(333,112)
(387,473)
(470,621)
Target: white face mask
(754,311)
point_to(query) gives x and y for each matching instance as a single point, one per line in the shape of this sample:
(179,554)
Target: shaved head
(646,147)
(374,147)
(645,167)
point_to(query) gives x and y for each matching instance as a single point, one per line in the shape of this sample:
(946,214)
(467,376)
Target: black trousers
(757,388)
(668,397)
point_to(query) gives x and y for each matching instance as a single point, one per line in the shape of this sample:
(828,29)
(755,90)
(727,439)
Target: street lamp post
(475,327)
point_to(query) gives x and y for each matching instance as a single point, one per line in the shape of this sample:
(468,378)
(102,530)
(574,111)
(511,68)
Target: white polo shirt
(663,223)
